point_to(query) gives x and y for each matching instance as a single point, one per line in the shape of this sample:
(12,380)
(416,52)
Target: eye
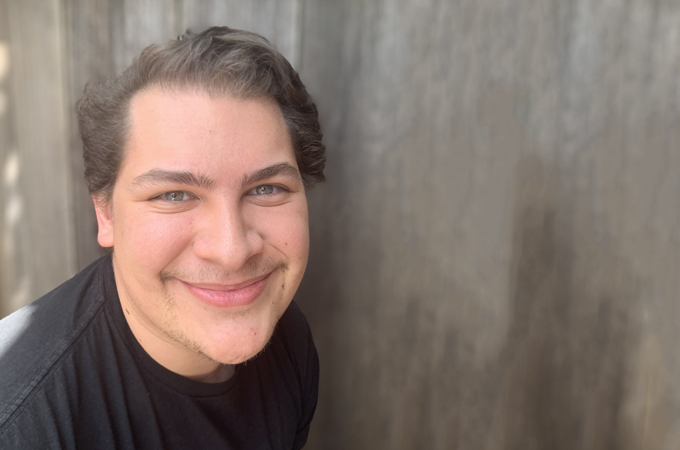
(175,196)
(266,190)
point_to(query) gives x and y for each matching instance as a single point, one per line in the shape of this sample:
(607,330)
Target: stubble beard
(251,270)
(178,336)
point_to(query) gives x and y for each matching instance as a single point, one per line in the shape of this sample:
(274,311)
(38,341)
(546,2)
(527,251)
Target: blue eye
(265,189)
(174,196)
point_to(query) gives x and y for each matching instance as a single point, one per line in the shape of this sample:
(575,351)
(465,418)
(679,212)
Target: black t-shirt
(72,375)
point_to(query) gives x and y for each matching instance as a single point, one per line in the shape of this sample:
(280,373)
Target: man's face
(208,220)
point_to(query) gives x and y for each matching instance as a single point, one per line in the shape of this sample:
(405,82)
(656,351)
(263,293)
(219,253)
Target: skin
(194,216)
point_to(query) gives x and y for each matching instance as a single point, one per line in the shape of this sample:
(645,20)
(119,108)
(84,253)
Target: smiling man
(197,158)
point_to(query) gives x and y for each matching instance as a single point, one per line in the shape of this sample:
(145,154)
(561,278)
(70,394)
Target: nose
(225,237)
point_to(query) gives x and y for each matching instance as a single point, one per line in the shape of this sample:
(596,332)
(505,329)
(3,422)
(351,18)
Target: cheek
(153,239)
(286,228)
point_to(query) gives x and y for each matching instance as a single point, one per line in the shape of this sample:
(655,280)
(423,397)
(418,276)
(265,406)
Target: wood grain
(277,20)
(38,235)
(495,252)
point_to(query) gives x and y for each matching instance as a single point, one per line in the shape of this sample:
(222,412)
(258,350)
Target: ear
(104,221)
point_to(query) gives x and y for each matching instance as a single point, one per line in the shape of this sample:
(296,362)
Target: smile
(228,296)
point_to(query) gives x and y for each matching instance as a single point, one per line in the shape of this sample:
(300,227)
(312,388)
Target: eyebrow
(280,169)
(159,176)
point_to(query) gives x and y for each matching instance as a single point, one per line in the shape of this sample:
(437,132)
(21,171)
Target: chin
(245,348)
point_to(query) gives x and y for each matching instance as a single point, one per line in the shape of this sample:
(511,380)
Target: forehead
(179,129)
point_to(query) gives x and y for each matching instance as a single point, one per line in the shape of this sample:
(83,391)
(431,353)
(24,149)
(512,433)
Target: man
(197,158)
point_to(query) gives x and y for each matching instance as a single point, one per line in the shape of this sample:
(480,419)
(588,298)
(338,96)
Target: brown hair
(220,61)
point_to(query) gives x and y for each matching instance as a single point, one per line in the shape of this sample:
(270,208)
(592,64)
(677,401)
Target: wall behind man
(495,252)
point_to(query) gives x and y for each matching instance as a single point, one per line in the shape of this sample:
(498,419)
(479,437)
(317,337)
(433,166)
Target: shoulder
(33,339)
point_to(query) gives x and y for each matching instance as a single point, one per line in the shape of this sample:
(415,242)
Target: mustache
(213,273)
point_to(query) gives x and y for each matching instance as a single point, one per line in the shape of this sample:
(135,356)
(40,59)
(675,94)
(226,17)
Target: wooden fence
(495,254)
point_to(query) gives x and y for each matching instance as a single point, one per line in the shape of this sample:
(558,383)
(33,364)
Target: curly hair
(219,61)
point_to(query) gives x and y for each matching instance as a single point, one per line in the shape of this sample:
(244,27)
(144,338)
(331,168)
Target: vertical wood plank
(38,238)
(90,59)
(8,179)
(276,20)
(135,24)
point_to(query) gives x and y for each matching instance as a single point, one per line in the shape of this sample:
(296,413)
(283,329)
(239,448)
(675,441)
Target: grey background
(495,253)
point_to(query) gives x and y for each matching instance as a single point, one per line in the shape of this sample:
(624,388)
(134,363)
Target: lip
(228,296)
